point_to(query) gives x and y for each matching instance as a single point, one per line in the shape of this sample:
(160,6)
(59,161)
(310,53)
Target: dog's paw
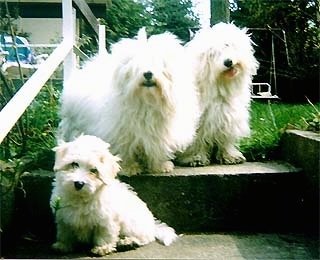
(235,157)
(132,169)
(167,166)
(199,160)
(61,247)
(126,241)
(194,160)
(104,249)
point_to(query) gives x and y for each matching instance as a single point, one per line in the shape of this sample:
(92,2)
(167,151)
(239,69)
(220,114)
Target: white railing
(14,109)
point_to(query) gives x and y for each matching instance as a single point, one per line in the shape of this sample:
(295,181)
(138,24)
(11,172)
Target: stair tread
(216,169)
(201,246)
(243,168)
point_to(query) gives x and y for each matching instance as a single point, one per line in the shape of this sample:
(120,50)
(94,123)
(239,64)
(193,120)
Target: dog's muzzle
(148,82)
(78,185)
(232,68)
(228,63)
(148,75)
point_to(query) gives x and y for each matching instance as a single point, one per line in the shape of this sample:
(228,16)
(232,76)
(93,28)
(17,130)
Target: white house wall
(41,30)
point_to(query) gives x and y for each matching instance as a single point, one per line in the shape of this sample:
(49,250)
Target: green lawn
(269,120)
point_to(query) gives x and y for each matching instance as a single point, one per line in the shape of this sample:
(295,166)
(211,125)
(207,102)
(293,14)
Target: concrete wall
(302,148)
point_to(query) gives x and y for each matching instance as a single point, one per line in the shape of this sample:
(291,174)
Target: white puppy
(141,99)
(224,65)
(92,206)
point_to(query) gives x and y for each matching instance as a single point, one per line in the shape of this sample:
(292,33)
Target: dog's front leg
(105,239)
(162,167)
(65,239)
(197,154)
(130,167)
(229,154)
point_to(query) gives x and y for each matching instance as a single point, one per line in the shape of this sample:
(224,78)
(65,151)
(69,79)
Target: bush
(33,136)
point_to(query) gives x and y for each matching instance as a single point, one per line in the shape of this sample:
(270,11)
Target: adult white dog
(92,206)
(141,99)
(224,65)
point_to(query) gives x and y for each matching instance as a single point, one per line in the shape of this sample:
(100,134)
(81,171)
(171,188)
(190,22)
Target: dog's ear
(110,167)
(60,151)
(209,54)
(206,62)
(142,34)
(113,164)
(116,166)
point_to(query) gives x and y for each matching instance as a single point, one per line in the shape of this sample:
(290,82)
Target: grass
(269,120)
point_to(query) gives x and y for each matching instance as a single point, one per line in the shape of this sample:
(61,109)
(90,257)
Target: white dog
(92,206)
(141,99)
(224,64)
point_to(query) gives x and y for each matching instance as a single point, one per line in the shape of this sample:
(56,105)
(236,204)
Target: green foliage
(33,137)
(125,18)
(29,143)
(10,173)
(269,121)
(175,16)
(312,122)
(7,18)
(56,204)
(300,20)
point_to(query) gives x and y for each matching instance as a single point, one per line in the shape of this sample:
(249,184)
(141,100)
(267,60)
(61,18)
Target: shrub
(33,136)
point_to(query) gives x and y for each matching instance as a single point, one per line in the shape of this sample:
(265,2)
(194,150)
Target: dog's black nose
(148,75)
(228,63)
(78,185)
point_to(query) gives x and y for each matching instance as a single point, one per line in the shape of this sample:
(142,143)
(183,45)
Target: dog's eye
(74,165)
(94,171)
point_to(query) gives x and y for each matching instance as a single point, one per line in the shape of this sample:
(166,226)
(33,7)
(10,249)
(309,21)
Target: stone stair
(214,204)
(250,196)
(217,246)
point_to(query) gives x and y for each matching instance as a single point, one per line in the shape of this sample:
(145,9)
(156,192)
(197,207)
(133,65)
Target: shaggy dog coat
(224,64)
(141,99)
(91,206)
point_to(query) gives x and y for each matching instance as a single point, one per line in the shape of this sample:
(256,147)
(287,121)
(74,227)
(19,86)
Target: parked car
(22,59)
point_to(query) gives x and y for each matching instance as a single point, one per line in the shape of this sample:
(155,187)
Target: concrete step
(302,148)
(266,196)
(254,196)
(193,246)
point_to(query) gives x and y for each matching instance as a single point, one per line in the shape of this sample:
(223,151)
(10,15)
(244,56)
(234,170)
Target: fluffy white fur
(92,206)
(141,99)
(224,65)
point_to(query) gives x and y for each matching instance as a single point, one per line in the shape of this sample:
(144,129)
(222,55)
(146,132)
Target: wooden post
(220,11)
(102,38)
(13,110)
(68,32)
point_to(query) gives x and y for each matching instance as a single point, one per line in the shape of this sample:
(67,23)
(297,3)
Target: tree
(125,18)
(300,21)
(175,16)
(219,11)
